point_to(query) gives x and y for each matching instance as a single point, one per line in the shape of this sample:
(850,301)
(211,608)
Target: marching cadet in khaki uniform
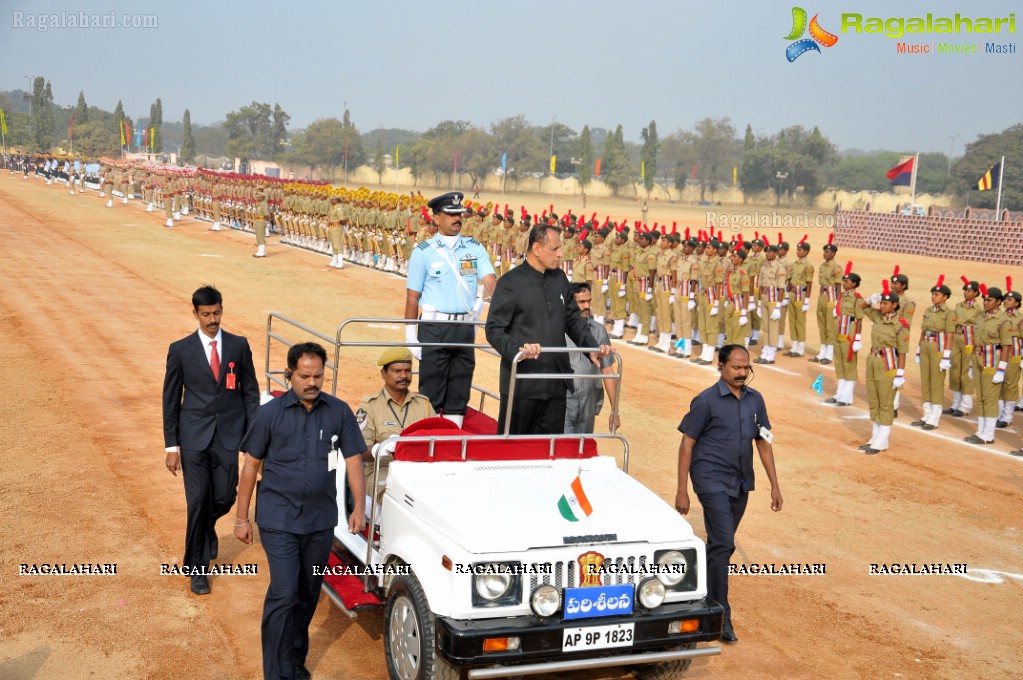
(664,292)
(493,241)
(736,301)
(631,297)
(569,250)
(388,413)
(772,294)
(509,236)
(522,238)
(829,276)
(934,354)
(725,259)
(886,364)
(168,200)
(800,287)
(621,265)
(755,259)
(582,270)
(993,342)
(907,308)
(849,319)
(644,267)
(600,257)
(968,312)
(687,286)
(261,213)
(216,195)
(1010,388)
(712,281)
(337,218)
(786,265)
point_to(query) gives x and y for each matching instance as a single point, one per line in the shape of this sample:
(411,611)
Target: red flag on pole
(598,166)
(692,175)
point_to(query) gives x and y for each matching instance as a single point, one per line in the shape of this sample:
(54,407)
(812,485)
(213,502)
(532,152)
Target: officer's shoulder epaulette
(471,240)
(423,246)
(905,324)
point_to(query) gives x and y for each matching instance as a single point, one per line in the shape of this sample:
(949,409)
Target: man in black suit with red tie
(210,395)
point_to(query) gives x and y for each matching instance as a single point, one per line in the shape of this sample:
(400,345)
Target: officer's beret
(994,293)
(772,248)
(889,297)
(1014,295)
(944,290)
(803,245)
(692,241)
(854,277)
(450,203)
(972,285)
(784,245)
(901,278)
(831,246)
(393,355)
(604,231)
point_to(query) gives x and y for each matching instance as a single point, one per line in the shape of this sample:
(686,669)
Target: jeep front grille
(566,574)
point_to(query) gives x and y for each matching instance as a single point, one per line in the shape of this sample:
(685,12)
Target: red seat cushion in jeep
(482,449)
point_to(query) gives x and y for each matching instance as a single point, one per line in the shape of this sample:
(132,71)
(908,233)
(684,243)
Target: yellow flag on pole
(642,170)
(735,175)
(554,163)
(3,122)
(120,127)
(397,156)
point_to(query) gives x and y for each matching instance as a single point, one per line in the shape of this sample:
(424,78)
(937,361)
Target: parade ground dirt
(91,297)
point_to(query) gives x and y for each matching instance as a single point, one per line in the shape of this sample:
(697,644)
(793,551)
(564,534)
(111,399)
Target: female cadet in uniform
(886,364)
(934,353)
(736,297)
(1010,388)
(990,359)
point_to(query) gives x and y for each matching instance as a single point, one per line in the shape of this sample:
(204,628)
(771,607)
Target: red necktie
(214,360)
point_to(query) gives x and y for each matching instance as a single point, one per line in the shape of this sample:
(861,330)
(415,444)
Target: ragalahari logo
(817,35)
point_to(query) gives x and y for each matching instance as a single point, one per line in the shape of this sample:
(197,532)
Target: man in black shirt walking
(532,308)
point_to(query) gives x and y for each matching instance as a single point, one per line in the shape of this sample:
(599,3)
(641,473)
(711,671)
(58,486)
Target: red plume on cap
(674,227)
(848,268)
(424,211)
(664,230)
(941,281)
(584,234)
(550,208)
(803,240)
(884,287)
(1008,284)
(983,290)
(522,210)
(831,238)
(618,228)
(593,217)
(780,239)
(896,272)
(965,280)
(505,208)
(687,233)
(756,235)
(719,235)
(581,221)
(534,219)
(607,220)
(543,214)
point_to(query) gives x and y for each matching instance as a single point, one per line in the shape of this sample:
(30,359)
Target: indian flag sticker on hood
(574,505)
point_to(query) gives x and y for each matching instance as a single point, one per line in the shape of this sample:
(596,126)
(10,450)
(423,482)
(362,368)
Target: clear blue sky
(411,64)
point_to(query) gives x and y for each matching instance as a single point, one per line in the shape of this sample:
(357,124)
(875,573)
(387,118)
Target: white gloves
(477,310)
(917,358)
(692,304)
(671,299)
(874,299)
(648,296)
(806,306)
(857,344)
(945,363)
(785,301)
(603,287)
(900,379)
(999,376)
(411,336)
(385,448)
(621,292)
(776,313)
(497,262)
(751,306)
(714,309)
(743,320)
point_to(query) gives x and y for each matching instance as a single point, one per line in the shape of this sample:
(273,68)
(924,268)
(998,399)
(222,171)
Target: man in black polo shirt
(717,452)
(299,438)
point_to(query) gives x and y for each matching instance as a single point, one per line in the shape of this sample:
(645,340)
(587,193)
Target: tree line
(794,163)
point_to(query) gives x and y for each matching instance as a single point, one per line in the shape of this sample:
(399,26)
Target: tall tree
(526,153)
(717,152)
(156,122)
(187,143)
(648,155)
(250,132)
(42,113)
(279,131)
(616,170)
(321,145)
(351,141)
(586,157)
(978,158)
(81,110)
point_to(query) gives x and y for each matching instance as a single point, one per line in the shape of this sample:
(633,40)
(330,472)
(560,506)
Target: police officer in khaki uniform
(388,412)
(261,214)
(993,341)
(886,364)
(600,257)
(772,294)
(736,301)
(687,285)
(755,259)
(621,264)
(907,308)
(849,319)
(829,276)
(967,313)
(800,287)
(664,292)
(934,354)
(1010,388)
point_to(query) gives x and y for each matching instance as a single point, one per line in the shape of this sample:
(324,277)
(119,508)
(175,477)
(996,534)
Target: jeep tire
(668,670)
(410,641)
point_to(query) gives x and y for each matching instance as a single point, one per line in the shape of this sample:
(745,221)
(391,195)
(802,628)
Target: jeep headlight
(672,567)
(545,600)
(492,586)
(496,584)
(650,593)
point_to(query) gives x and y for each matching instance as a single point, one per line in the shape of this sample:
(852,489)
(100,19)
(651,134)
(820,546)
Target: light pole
(31,115)
(951,146)
(554,118)
(781,177)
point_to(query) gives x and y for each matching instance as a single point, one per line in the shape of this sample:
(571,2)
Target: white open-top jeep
(497,556)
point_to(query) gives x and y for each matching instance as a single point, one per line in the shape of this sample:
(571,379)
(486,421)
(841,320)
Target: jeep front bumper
(461,641)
